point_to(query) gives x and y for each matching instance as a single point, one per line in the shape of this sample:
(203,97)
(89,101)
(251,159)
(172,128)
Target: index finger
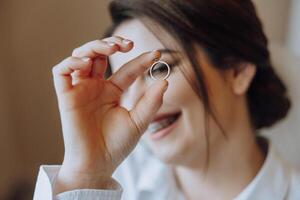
(128,73)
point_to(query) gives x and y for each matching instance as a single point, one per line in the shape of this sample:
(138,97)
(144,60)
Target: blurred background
(37,34)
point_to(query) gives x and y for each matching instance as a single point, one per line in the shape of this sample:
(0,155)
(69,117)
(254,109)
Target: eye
(160,70)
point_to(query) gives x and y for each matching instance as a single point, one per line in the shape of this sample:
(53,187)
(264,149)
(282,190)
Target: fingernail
(86,59)
(158,55)
(126,41)
(111,44)
(166,86)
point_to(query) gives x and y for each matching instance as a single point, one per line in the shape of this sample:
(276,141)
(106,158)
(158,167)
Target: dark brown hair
(230,32)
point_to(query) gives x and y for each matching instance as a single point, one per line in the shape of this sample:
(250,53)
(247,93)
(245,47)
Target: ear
(242,78)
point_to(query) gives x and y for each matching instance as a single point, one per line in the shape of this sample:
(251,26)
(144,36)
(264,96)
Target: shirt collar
(272,180)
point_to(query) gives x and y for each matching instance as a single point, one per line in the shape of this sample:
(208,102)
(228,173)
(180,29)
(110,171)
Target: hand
(98,133)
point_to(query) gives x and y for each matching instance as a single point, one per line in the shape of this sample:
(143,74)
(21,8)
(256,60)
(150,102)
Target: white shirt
(143,177)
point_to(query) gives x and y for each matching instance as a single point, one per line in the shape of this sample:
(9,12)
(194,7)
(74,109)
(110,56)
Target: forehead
(144,40)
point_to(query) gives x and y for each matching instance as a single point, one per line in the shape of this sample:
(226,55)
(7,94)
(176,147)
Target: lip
(166,131)
(164,115)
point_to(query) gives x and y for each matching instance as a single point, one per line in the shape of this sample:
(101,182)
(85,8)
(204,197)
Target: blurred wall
(275,16)
(34,36)
(294,28)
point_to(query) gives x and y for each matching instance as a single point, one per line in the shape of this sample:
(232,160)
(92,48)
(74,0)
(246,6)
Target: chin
(170,154)
(178,152)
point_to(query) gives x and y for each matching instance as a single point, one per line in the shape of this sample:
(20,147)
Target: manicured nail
(86,59)
(126,41)
(159,55)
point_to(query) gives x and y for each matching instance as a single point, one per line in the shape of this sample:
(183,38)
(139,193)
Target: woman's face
(181,141)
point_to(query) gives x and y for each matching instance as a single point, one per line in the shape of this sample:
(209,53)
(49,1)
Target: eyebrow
(168,51)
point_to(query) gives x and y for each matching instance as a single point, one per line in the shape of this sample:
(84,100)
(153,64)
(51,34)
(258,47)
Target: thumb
(148,105)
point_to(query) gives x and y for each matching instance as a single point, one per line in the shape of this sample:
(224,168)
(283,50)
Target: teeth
(156,126)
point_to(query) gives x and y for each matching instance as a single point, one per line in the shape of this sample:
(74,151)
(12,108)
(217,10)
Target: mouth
(162,125)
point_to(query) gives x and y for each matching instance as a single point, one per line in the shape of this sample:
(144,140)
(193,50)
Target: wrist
(68,179)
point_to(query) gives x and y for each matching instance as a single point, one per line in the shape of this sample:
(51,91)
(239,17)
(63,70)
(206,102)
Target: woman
(192,136)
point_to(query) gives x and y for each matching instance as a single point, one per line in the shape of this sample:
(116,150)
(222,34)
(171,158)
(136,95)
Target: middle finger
(105,47)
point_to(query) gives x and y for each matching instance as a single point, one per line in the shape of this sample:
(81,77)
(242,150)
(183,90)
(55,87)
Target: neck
(230,168)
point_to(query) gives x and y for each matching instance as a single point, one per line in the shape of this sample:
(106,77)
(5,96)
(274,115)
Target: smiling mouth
(162,126)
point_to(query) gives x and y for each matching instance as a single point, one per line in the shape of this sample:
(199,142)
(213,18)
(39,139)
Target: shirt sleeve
(44,188)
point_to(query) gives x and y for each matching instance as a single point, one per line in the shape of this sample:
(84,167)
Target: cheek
(179,90)
(181,94)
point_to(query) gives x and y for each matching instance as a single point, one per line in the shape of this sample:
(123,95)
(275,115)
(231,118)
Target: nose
(135,92)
